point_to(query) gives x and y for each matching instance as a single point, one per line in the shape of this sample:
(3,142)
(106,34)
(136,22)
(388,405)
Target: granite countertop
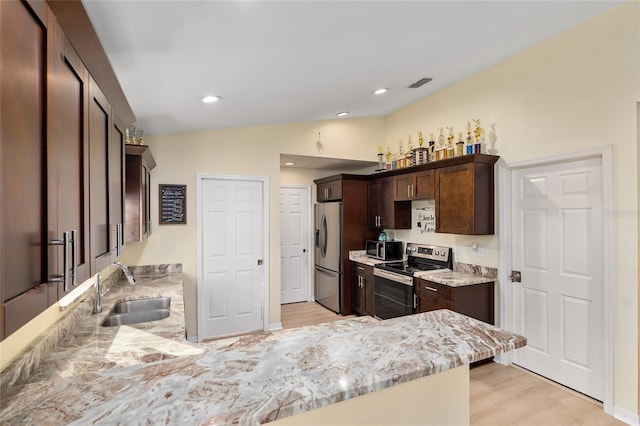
(453,278)
(360,256)
(83,345)
(446,277)
(263,376)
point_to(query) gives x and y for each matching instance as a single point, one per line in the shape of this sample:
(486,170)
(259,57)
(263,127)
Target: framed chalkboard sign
(173,204)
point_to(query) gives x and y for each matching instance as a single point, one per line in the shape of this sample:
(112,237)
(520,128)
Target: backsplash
(484,271)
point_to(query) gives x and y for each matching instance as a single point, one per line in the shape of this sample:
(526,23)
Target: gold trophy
(477,146)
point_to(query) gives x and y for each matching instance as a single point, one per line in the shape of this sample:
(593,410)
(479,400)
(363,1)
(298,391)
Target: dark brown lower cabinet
(362,288)
(476,301)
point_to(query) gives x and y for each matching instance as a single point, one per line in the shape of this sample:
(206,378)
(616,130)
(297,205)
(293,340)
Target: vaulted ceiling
(293,61)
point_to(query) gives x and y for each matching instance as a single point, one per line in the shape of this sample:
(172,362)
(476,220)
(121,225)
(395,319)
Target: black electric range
(393,281)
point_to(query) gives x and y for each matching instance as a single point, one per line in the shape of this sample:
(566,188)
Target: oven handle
(402,279)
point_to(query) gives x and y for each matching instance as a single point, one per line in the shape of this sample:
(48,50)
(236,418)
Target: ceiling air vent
(420,82)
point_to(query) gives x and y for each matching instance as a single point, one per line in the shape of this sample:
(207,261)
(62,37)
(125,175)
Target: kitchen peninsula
(261,377)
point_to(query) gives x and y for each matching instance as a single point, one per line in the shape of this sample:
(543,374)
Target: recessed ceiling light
(289,164)
(380,91)
(342,114)
(211,99)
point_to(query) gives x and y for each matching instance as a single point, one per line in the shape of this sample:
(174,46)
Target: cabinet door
(432,296)
(146,200)
(329,191)
(358,297)
(424,185)
(116,188)
(403,187)
(134,202)
(67,161)
(454,199)
(395,215)
(464,199)
(23,185)
(99,131)
(373,204)
(138,165)
(368,292)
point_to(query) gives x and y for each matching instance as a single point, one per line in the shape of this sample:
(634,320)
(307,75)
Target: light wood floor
(500,395)
(307,313)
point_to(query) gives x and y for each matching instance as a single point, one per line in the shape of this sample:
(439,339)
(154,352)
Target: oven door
(393,294)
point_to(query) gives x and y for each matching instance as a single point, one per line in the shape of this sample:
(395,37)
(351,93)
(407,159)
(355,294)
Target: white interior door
(557,241)
(230,296)
(294,243)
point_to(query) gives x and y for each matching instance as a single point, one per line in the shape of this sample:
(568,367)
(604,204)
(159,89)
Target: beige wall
(574,92)
(251,151)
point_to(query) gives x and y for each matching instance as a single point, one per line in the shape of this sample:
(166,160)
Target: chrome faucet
(127,273)
(97,300)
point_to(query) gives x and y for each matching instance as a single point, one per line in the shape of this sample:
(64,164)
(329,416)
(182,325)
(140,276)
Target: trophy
(469,146)
(477,146)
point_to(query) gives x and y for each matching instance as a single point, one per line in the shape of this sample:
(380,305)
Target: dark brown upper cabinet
(464,199)
(414,186)
(24,287)
(383,212)
(60,157)
(329,191)
(67,163)
(139,163)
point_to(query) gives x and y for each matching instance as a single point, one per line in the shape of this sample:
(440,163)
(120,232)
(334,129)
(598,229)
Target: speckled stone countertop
(453,278)
(264,376)
(360,256)
(80,344)
(461,275)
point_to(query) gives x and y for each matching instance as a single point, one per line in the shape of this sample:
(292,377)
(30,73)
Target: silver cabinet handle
(118,239)
(118,247)
(64,242)
(74,258)
(409,191)
(431,288)
(415,301)
(361,268)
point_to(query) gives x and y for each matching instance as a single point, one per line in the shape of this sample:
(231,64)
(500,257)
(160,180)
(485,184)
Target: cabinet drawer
(442,291)
(363,269)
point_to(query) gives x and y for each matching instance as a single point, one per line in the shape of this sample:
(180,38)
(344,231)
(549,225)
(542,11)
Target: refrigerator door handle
(324,235)
(331,274)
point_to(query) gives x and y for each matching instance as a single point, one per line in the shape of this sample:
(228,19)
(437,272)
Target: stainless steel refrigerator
(328,256)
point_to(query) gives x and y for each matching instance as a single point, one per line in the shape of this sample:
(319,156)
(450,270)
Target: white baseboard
(626,416)
(274,327)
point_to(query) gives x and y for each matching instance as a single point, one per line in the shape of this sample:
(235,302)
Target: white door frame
(200,178)
(504,231)
(311,235)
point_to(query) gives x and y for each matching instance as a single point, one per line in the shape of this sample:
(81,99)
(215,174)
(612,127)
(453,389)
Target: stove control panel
(438,253)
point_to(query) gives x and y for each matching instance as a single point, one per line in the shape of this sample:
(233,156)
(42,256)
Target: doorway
(557,238)
(295,228)
(232,234)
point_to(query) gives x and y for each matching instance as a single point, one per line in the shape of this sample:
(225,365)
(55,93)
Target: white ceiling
(292,61)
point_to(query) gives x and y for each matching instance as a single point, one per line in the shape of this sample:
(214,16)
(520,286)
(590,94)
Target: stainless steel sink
(141,305)
(138,311)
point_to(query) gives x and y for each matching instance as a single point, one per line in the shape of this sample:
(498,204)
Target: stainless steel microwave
(385,250)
